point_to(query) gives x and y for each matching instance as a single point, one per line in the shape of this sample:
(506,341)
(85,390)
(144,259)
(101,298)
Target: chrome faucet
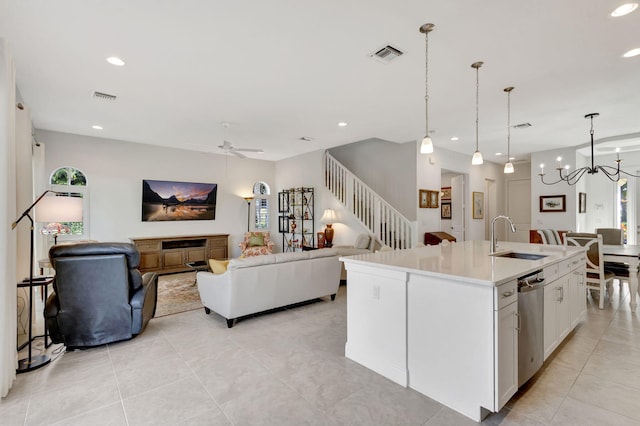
(494,241)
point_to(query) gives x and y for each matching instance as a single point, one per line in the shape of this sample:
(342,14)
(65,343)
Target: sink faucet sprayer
(493,232)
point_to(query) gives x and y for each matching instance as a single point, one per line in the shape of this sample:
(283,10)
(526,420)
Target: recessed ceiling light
(342,124)
(455,138)
(96,127)
(512,158)
(632,53)
(625,9)
(114,60)
(498,153)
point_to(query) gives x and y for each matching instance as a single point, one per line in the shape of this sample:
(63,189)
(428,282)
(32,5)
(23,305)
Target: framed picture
(478,205)
(428,199)
(445,193)
(582,202)
(445,210)
(283,202)
(423,199)
(283,225)
(553,203)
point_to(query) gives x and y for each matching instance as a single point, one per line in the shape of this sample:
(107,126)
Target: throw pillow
(362,242)
(218,266)
(256,240)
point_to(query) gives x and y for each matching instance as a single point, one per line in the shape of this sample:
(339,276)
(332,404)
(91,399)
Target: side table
(33,362)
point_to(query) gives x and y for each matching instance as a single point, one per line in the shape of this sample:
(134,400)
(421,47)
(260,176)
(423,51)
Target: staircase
(387,225)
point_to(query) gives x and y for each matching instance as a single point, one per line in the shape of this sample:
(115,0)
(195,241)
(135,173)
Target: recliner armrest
(138,298)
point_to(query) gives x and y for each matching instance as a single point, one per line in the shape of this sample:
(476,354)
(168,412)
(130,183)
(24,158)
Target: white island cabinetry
(444,320)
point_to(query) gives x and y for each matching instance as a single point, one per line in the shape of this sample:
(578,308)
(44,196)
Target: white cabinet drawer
(505,294)
(551,272)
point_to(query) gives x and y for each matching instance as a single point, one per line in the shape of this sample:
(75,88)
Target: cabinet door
(564,311)
(172,258)
(506,358)
(196,254)
(550,336)
(577,290)
(149,261)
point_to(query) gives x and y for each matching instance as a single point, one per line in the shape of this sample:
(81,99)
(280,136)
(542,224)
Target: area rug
(177,293)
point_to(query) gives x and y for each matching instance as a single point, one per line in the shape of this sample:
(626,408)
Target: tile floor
(288,368)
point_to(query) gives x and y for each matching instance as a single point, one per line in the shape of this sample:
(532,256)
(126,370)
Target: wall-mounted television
(164,200)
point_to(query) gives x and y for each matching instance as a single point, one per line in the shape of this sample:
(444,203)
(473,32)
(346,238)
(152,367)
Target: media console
(165,255)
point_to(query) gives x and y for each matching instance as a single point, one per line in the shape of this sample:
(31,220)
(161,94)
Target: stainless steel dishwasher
(530,336)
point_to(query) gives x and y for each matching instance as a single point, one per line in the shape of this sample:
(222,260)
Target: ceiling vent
(386,54)
(522,126)
(104,96)
(306,139)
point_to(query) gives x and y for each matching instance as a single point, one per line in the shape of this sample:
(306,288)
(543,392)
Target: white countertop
(466,261)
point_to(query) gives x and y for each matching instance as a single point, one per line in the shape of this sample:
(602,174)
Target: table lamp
(58,208)
(329,218)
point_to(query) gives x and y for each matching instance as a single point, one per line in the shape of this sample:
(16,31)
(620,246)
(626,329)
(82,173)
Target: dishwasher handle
(526,286)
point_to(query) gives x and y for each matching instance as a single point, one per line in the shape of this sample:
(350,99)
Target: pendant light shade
(508,168)
(477,156)
(426,147)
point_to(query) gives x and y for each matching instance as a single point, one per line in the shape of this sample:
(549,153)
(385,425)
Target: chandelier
(571,178)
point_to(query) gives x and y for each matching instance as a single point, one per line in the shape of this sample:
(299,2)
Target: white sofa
(364,244)
(256,284)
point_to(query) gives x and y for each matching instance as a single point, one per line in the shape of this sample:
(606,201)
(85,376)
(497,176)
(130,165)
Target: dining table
(628,254)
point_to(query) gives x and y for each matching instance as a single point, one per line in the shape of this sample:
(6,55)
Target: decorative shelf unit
(166,255)
(295,222)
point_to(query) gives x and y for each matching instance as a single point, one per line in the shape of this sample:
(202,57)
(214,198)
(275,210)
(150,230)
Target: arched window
(261,192)
(73,182)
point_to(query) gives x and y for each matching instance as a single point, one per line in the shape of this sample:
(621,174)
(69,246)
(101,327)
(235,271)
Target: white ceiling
(280,70)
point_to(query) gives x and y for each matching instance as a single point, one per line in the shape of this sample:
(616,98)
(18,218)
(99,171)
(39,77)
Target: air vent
(386,54)
(104,96)
(522,126)
(306,139)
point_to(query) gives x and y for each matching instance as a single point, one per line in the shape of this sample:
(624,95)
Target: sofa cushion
(362,242)
(325,252)
(291,257)
(218,266)
(245,262)
(256,240)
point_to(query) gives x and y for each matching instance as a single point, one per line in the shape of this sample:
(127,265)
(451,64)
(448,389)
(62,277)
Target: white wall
(384,166)
(115,170)
(429,167)
(553,220)
(307,170)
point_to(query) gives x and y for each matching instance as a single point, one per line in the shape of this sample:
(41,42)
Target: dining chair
(615,237)
(597,277)
(550,236)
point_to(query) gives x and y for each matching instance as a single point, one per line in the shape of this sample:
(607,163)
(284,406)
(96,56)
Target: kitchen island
(443,320)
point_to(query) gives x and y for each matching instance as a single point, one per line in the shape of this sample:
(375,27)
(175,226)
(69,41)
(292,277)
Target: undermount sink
(516,255)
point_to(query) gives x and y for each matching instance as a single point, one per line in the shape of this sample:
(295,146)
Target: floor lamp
(58,208)
(248,199)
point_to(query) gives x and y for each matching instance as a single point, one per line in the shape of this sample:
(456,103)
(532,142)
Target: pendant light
(427,146)
(508,168)
(477,156)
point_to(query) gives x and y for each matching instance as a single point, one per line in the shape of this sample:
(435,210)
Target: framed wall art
(582,202)
(445,193)
(478,205)
(445,210)
(428,199)
(553,203)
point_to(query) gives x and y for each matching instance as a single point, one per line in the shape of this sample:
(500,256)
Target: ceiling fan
(230,149)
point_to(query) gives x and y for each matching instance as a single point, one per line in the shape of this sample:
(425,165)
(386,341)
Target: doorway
(456,223)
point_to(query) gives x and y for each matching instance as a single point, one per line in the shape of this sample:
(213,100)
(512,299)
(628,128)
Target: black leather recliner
(99,294)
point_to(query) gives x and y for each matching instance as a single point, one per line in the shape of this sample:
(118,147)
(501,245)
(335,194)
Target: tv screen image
(164,200)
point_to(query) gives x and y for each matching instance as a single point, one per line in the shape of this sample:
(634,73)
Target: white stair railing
(384,222)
